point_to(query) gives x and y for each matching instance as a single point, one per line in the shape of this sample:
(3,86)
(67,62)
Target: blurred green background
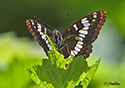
(19,50)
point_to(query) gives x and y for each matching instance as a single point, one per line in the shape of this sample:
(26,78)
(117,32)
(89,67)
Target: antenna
(65,18)
(43,22)
(67,15)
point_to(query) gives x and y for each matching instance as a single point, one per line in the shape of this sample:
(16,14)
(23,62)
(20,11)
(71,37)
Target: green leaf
(53,73)
(49,74)
(90,73)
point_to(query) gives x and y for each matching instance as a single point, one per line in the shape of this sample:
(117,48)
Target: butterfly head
(56,36)
(55,32)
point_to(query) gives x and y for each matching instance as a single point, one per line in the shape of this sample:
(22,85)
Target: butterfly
(75,40)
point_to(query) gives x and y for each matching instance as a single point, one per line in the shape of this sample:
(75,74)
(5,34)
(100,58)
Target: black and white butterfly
(75,40)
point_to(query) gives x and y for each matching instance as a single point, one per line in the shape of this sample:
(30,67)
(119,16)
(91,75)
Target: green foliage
(15,55)
(53,73)
(19,53)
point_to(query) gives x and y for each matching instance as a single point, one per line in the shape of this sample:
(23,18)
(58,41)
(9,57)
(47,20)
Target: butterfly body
(75,40)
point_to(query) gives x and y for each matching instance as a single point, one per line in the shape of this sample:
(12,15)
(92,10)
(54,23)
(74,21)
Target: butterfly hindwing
(38,31)
(80,35)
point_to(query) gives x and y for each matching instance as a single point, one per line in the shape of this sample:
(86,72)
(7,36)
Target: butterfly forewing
(80,35)
(38,31)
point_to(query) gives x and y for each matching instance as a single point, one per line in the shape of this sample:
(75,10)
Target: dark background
(16,49)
